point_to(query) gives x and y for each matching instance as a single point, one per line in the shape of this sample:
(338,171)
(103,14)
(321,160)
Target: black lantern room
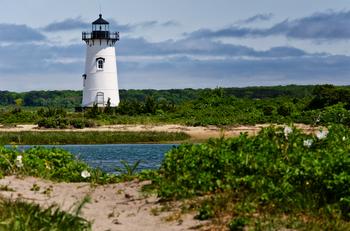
(100,30)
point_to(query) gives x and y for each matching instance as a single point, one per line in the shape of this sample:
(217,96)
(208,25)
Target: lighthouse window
(100,64)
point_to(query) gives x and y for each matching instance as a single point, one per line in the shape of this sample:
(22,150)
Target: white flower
(321,134)
(47,165)
(344,138)
(19,162)
(287,130)
(85,174)
(308,143)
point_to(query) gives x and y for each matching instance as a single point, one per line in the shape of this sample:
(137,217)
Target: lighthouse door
(100,99)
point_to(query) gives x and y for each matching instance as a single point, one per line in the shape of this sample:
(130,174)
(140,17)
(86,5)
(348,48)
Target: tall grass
(22,216)
(58,137)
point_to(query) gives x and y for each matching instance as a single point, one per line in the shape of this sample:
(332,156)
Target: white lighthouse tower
(100,80)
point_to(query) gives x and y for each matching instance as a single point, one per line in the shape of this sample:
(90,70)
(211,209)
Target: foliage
(22,216)
(328,95)
(53,164)
(201,107)
(128,172)
(71,99)
(237,224)
(61,122)
(57,118)
(89,137)
(279,170)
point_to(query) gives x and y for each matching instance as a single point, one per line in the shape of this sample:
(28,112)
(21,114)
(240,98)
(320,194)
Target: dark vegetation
(279,179)
(71,99)
(91,137)
(316,105)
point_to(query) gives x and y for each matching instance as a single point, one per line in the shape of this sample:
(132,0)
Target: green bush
(54,164)
(278,167)
(77,123)
(238,224)
(59,122)
(53,122)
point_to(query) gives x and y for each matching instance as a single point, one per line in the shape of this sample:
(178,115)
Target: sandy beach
(198,133)
(112,207)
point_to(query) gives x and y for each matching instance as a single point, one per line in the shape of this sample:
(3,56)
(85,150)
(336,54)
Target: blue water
(108,156)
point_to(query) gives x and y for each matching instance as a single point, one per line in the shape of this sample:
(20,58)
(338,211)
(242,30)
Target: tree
(93,112)
(150,105)
(19,102)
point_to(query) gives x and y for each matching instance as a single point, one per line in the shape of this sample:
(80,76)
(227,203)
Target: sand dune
(112,207)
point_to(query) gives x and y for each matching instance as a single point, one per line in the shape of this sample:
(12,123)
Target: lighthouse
(100,81)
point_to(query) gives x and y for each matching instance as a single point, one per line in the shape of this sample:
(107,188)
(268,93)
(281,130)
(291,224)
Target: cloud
(170,23)
(79,24)
(196,60)
(200,47)
(328,25)
(256,18)
(46,58)
(185,72)
(19,33)
(29,58)
(116,26)
(182,63)
(147,24)
(155,23)
(67,24)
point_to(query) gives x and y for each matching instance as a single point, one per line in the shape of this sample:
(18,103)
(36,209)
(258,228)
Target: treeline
(317,105)
(66,98)
(71,99)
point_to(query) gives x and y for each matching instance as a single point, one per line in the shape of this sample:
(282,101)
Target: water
(108,156)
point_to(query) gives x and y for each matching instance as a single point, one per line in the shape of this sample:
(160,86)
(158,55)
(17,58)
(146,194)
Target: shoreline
(196,134)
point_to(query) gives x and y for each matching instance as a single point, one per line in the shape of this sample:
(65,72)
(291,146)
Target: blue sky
(178,44)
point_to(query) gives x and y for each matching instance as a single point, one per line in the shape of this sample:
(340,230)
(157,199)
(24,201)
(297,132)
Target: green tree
(150,105)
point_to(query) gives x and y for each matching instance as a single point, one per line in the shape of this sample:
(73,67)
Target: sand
(199,133)
(113,207)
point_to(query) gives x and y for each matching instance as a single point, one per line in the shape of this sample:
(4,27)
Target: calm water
(108,156)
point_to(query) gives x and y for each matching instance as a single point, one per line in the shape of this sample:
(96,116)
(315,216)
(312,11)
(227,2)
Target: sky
(167,44)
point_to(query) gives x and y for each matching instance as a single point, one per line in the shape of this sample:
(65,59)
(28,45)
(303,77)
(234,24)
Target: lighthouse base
(101,98)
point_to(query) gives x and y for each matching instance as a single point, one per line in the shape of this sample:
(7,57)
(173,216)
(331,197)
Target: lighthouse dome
(100,20)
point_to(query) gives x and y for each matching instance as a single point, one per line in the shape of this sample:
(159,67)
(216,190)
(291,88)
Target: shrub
(276,167)
(77,123)
(54,164)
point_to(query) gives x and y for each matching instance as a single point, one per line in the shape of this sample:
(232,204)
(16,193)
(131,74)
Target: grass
(62,137)
(22,216)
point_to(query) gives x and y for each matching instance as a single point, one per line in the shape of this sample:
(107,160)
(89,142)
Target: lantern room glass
(100,27)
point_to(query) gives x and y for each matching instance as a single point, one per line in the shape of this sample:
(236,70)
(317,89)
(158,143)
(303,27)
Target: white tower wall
(100,80)
(105,80)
